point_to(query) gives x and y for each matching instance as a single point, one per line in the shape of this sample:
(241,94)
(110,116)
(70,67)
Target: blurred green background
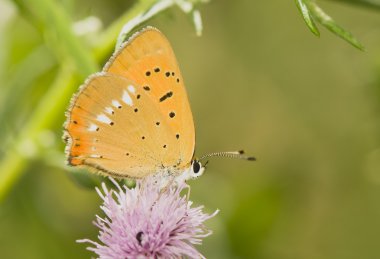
(308,108)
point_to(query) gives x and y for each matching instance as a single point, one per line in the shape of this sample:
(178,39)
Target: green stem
(15,161)
(58,23)
(106,40)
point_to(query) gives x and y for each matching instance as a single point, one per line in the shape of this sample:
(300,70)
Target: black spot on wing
(166,96)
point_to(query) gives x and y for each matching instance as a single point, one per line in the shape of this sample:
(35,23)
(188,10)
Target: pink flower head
(146,222)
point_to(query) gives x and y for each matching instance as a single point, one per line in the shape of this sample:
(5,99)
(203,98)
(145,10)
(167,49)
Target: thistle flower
(146,222)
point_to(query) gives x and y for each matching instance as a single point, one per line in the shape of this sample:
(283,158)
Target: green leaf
(304,10)
(332,26)
(365,3)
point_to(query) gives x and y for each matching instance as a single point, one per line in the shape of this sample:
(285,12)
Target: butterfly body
(133,119)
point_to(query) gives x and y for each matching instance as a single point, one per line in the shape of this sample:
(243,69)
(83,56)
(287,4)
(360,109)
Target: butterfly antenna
(205,165)
(231,154)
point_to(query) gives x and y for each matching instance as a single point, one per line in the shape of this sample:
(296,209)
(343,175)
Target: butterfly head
(196,169)
(192,172)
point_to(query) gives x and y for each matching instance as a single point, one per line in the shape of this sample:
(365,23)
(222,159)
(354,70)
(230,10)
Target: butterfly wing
(133,118)
(149,59)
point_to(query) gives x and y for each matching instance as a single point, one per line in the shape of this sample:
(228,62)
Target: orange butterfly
(133,119)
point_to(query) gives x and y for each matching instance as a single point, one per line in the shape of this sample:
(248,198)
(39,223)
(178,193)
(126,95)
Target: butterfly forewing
(134,118)
(149,59)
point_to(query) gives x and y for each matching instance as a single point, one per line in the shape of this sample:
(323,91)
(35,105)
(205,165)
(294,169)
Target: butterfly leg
(188,192)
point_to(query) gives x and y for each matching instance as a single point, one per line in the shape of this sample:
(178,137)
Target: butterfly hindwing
(134,117)
(119,132)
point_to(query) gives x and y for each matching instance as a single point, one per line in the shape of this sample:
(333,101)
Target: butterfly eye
(196,167)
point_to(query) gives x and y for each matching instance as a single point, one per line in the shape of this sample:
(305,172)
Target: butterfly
(133,119)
